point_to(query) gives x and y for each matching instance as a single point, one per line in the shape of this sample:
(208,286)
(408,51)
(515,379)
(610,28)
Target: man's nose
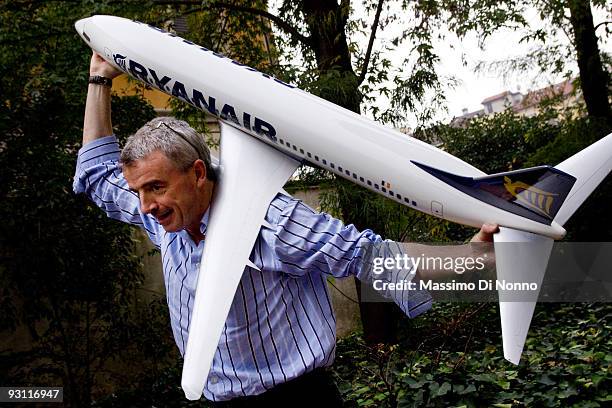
(147,205)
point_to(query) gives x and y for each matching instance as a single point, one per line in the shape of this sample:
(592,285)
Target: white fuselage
(298,123)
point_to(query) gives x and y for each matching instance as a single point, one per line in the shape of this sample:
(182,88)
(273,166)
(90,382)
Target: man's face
(177,199)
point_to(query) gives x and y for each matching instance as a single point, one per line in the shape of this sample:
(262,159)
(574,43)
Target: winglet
(590,166)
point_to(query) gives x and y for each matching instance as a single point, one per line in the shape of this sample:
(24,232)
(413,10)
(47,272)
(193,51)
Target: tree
(68,273)
(594,79)
(573,20)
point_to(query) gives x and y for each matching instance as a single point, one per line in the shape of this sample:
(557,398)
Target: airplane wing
(251,174)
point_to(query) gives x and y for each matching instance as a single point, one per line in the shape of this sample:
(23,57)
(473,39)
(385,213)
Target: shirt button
(214,379)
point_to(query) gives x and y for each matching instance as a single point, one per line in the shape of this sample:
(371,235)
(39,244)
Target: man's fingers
(486,233)
(490,228)
(99,66)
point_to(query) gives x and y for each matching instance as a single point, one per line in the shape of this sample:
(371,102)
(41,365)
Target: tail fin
(589,166)
(536,193)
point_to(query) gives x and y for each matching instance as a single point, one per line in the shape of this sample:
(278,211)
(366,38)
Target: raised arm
(97,121)
(98,173)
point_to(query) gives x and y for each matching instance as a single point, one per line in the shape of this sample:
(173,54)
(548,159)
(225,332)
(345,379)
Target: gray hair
(174,138)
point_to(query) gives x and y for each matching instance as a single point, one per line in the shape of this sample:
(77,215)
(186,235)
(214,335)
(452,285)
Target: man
(280,332)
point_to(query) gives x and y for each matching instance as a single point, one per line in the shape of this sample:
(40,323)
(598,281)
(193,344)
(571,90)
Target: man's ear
(200,170)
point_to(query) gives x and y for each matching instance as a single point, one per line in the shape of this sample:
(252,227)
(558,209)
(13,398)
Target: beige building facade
(562,95)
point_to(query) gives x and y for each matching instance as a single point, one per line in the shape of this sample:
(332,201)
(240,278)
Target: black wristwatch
(100,80)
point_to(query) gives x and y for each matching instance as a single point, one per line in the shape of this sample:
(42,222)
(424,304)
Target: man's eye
(156,187)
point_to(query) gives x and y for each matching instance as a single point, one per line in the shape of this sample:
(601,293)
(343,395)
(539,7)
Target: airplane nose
(80,25)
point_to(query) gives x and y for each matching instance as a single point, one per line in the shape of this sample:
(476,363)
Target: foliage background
(70,281)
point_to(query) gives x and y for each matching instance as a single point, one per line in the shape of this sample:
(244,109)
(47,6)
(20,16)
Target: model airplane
(269,127)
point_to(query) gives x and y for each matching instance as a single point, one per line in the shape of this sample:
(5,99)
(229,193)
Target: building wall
(343,292)
(500,105)
(122,86)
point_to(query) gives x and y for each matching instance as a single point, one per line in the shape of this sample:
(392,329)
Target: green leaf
(444,388)
(544,379)
(470,388)
(505,384)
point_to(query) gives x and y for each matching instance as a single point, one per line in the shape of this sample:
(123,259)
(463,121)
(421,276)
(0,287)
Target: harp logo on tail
(530,196)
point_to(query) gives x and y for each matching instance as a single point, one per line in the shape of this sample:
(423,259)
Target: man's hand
(99,66)
(486,233)
(481,244)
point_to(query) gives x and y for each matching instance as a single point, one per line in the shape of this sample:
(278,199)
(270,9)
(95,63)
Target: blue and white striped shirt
(281,323)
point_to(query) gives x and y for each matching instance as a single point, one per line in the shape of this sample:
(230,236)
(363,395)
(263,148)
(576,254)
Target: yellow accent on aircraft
(530,196)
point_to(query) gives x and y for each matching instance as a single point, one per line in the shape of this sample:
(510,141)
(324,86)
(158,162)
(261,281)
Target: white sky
(459,58)
(474,87)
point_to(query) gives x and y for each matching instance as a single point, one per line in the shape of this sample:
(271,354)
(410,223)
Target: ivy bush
(566,361)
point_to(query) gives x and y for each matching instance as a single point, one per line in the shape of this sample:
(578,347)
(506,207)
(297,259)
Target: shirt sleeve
(99,176)
(394,279)
(306,241)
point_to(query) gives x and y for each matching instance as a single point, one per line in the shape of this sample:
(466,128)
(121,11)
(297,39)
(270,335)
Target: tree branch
(221,32)
(366,61)
(345,7)
(181,14)
(602,24)
(282,24)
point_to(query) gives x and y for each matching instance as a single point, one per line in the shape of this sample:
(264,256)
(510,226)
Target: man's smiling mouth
(163,216)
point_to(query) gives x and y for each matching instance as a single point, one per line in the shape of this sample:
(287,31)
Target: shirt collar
(203,227)
(204,222)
